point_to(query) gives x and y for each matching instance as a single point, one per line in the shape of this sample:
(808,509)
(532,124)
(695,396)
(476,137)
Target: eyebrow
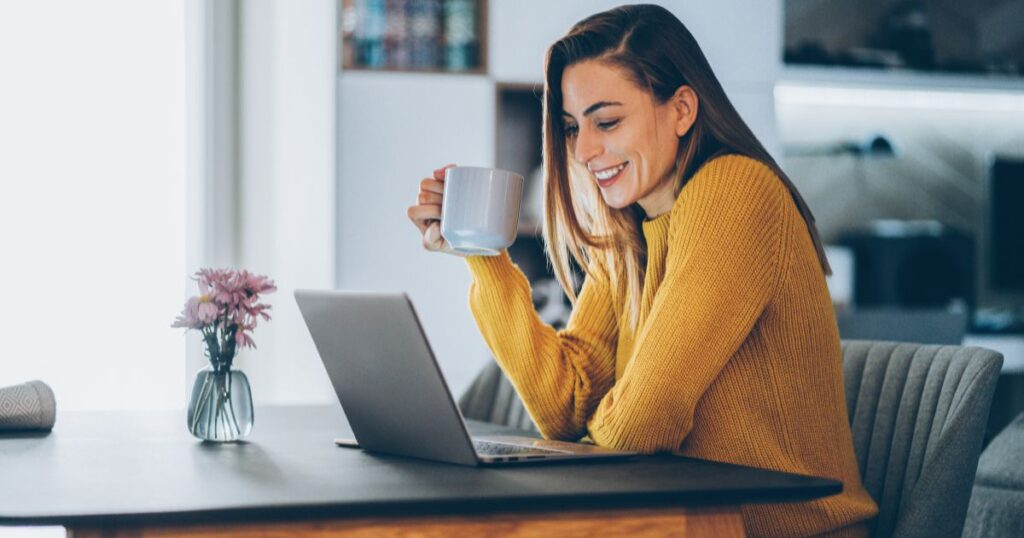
(595,107)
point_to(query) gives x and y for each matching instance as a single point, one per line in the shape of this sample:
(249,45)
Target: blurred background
(142,140)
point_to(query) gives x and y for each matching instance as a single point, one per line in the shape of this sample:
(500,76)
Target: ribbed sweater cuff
(491,268)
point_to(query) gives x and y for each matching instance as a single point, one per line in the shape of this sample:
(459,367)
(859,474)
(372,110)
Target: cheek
(667,146)
(666,136)
(654,153)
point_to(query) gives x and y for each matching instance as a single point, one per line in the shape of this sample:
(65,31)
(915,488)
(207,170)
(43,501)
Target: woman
(703,326)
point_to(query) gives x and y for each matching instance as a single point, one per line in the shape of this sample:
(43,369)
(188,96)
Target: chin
(616,202)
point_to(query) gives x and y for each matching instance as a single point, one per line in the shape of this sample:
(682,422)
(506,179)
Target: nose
(587,147)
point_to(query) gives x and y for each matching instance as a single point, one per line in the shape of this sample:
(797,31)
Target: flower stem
(201,404)
(230,415)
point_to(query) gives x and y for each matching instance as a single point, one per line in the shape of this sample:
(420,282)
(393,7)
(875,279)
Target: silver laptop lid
(385,375)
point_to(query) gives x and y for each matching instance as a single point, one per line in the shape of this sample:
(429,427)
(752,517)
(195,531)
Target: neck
(660,200)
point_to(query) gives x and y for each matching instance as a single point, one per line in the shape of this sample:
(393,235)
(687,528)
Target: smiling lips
(609,175)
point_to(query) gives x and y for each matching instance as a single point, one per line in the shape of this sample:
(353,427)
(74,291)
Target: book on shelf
(417,35)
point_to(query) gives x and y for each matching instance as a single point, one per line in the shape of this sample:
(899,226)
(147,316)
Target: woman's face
(625,138)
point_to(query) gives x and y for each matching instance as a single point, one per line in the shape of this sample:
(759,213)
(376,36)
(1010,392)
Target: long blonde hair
(660,55)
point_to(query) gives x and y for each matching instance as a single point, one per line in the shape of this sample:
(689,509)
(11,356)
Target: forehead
(589,82)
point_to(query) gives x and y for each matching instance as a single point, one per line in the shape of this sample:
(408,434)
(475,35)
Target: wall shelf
(902,79)
(518,117)
(417,36)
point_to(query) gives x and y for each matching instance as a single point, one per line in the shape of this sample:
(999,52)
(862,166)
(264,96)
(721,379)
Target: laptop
(392,391)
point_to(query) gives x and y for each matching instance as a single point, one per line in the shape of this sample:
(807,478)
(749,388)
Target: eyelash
(571,130)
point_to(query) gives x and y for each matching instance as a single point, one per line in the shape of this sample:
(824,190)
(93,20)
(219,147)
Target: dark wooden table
(142,474)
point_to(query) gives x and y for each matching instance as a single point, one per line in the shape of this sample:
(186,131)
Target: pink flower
(229,301)
(243,339)
(199,312)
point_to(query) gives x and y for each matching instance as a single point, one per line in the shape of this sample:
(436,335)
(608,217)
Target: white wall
(287,185)
(740,38)
(394,130)
(212,149)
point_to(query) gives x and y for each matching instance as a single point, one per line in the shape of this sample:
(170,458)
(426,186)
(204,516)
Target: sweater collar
(656,230)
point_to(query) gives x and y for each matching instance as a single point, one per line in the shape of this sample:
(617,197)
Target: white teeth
(609,173)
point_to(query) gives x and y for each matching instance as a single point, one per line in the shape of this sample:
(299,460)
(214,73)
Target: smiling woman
(633,137)
(704,326)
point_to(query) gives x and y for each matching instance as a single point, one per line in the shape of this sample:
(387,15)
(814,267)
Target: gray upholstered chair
(491,398)
(997,502)
(917,414)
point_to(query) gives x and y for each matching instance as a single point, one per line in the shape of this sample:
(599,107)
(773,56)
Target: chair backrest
(491,398)
(918,414)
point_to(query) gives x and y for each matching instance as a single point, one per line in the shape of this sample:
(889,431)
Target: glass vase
(220,409)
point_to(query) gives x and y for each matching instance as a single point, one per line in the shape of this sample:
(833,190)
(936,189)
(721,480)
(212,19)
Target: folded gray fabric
(28,406)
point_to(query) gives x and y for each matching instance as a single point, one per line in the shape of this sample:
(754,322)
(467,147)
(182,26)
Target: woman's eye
(570,130)
(607,124)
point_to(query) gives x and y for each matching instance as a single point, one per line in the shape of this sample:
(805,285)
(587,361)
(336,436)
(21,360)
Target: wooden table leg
(717,521)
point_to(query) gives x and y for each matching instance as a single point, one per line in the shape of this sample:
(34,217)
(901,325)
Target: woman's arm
(560,376)
(723,266)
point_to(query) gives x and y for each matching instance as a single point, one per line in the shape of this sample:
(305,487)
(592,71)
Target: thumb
(433,240)
(432,237)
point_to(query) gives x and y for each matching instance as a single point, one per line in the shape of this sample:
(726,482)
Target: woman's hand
(426,214)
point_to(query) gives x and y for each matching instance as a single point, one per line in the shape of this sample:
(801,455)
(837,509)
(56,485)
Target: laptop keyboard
(504,449)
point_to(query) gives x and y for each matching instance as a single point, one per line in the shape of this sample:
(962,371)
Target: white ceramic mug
(480,211)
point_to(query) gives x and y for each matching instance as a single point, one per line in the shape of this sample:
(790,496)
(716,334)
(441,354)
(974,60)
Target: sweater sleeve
(721,269)
(560,375)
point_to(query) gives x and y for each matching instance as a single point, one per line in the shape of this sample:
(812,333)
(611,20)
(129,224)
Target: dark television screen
(1006,225)
(976,36)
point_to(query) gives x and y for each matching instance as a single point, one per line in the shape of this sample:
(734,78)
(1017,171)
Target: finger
(432,239)
(439,173)
(420,225)
(422,214)
(432,185)
(426,197)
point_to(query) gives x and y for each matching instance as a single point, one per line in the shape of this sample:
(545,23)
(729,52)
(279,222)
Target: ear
(685,104)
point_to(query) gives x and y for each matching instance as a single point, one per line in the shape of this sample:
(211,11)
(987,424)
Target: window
(92,200)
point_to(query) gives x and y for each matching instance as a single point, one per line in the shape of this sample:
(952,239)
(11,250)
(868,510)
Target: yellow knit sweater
(735,358)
